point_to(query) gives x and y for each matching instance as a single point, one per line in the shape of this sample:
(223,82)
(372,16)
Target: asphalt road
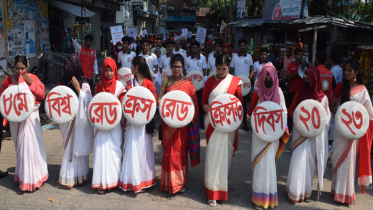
(84,197)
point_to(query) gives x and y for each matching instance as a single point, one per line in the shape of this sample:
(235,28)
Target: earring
(355,79)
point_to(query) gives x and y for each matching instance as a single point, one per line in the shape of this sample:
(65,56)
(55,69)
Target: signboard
(132,32)
(201,35)
(184,32)
(282,9)
(241,8)
(189,34)
(143,33)
(116,34)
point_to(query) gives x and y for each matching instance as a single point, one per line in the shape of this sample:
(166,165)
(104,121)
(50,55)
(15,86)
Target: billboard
(282,9)
(241,8)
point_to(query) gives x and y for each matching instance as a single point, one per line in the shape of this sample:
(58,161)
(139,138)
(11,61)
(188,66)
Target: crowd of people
(124,156)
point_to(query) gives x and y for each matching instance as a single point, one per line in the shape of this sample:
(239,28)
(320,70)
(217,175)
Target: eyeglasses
(177,67)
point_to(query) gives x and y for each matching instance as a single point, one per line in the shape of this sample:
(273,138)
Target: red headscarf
(106,84)
(264,93)
(314,92)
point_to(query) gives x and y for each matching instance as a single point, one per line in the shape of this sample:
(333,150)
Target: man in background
(87,57)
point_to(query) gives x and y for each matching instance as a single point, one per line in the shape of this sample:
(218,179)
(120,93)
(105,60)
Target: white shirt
(181,52)
(151,60)
(211,64)
(78,48)
(125,59)
(165,62)
(241,64)
(195,63)
(257,67)
(211,54)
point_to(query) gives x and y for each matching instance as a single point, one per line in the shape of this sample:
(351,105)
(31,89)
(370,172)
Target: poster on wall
(282,9)
(241,8)
(29,36)
(1,12)
(2,42)
(15,41)
(116,34)
(201,35)
(44,38)
(23,10)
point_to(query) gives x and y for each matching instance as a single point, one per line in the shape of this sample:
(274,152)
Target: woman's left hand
(76,84)
(27,78)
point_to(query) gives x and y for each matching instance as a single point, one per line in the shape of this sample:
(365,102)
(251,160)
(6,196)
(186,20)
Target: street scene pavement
(52,196)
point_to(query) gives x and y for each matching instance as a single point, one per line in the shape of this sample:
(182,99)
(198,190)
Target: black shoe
(3,174)
(201,126)
(245,127)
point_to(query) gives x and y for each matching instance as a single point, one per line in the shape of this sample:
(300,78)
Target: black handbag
(160,126)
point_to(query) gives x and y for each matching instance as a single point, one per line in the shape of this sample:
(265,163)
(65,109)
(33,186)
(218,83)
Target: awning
(75,10)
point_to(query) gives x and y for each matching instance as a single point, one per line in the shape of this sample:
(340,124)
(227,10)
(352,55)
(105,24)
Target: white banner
(132,33)
(201,35)
(116,34)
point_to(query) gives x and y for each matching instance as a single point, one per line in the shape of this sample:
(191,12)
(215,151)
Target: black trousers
(288,100)
(200,109)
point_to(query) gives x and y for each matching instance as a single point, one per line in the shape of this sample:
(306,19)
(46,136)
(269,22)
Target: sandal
(212,203)
(100,191)
(259,207)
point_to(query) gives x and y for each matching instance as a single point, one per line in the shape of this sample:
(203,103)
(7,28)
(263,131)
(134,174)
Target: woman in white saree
(265,154)
(31,169)
(138,170)
(345,150)
(220,146)
(77,135)
(309,154)
(107,147)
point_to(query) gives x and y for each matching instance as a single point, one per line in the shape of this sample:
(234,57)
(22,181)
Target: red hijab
(314,92)
(106,84)
(264,93)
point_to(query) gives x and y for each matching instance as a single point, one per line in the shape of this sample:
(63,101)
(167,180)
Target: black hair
(345,95)
(222,59)
(297,50)
(126,39)
(170,42)
(88,36)
(336,57)
(177,57)
(242,41)
(21,58)
(321,56)
(264,49)
(195,43)
(219,42)
(138,48)
(143,67)
(230,45)
(145,40)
